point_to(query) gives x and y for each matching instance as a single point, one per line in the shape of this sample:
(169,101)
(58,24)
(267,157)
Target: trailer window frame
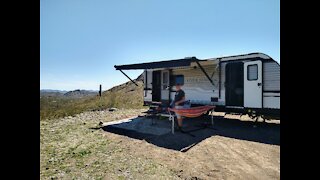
(173,79)
(256,73)
(165,80)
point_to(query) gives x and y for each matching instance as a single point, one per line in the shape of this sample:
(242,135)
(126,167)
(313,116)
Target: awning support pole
(170,83)
(128,77)
(219,78)
(145,83)
(205,73)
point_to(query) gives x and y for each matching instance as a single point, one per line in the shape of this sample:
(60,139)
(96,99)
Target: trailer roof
(188,61)
(242,56)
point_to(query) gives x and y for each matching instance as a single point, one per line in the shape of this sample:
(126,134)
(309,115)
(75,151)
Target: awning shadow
(268,133)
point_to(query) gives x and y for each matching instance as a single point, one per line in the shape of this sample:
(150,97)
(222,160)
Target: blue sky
(81,40)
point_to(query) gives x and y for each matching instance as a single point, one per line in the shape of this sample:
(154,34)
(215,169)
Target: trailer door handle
(259,84)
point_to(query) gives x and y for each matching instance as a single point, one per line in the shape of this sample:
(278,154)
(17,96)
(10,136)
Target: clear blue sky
(81,40)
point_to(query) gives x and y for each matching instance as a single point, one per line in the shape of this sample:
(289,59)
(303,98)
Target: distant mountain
(62,93)
(126,95)
(80,93)
(51,93)
(52,90)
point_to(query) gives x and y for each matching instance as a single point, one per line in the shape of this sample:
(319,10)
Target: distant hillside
(126,95)
(51,92)
(80,93)
(140,77)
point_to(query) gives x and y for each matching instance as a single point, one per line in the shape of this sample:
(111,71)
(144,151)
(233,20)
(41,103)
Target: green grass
(70,149)
(73,148)
(126,95)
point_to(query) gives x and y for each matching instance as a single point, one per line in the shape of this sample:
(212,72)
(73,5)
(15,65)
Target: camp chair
(189,112)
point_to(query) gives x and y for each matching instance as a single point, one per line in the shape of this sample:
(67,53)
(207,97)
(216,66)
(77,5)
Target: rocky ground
(77,148)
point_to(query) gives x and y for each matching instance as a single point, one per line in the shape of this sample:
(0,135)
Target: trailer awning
(159,64)
(164,64)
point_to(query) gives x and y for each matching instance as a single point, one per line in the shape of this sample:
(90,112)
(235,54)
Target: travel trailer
(241,84)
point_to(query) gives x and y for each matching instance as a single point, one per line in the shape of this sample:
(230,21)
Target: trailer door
(165,82)
(253,84)
(234,84)
(147,85)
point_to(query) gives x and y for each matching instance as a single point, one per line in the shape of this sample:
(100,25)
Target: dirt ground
(229,153)
(235,149)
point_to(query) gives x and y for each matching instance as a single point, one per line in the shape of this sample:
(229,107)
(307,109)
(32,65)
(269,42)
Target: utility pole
(100,92)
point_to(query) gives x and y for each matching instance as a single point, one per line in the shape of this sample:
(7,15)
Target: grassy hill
(126,95)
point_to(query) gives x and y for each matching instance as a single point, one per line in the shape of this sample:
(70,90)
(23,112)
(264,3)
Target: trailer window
(175,79)
(179,79)
(252,72)
(165,80)
(165,77)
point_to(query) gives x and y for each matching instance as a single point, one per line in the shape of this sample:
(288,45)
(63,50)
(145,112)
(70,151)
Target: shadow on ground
(158,132)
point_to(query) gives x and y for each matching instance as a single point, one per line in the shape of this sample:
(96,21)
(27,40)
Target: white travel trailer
(245,84)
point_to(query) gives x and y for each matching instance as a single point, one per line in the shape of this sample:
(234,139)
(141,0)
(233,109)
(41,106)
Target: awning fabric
(159,64)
